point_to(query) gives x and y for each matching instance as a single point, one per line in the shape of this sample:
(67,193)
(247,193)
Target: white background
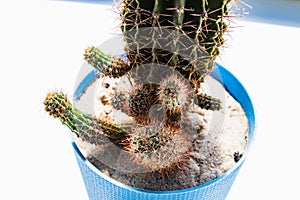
(41,47)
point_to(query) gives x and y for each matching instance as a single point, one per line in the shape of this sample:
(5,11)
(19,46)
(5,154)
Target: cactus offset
(174,93)
(107,65)
(84,126)
(207,102)
(158,148)
(141,100)
(174,96)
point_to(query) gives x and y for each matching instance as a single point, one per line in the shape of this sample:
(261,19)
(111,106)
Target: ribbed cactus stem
(196,14)
(179,12)
(135,15)
(178,18)
(215,25)
(158,9)
(108,65)
(209,103)
(84,126)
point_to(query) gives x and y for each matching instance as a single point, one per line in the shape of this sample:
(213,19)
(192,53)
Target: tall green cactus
(201,20)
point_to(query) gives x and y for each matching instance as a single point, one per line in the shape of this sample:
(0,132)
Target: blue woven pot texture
(101,187)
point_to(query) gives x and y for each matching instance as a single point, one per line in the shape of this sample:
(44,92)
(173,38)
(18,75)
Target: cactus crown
(186,36)
(201,20)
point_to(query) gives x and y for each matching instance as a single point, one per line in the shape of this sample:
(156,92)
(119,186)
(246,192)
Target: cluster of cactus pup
(185,36)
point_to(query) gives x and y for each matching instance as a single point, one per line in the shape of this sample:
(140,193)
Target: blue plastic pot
(101,187)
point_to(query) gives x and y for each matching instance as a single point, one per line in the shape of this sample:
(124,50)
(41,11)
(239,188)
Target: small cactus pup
(142,98)
(174,96)
(84,126)
(158,148)
(168,139)
(108,65)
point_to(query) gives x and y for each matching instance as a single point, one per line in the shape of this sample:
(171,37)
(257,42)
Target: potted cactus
(158,133)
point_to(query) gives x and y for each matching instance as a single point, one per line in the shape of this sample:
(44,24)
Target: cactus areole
(164,131)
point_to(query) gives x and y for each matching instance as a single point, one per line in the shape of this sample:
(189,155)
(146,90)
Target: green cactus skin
(84,126)
(108,65)
(210,16)
(158,148)
(209,103)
